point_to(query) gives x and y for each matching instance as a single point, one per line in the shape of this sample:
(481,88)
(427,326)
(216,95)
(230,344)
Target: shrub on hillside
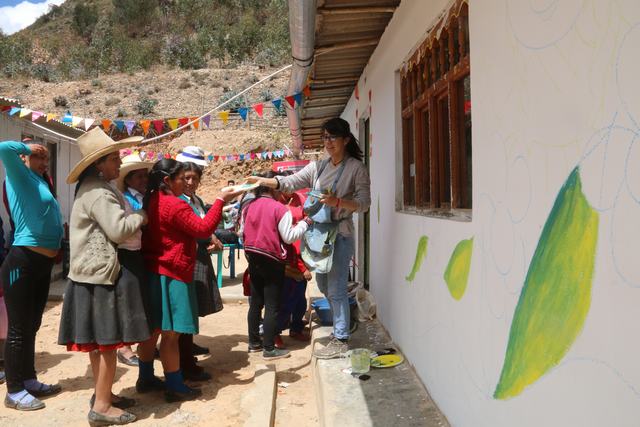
(184,53)
(15,55)
(85,18)
(135,15)
(60,101)
(233,105)
(146,105)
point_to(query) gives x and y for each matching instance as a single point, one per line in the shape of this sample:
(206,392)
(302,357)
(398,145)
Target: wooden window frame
(429,79)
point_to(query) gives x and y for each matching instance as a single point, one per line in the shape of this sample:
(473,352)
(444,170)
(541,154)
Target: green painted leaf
(421,253)
(556,295)
(457,273)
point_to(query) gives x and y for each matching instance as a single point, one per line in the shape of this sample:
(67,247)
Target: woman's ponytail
(340,127)
(163,168)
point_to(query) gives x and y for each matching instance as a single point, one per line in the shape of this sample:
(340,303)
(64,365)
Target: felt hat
(94,145)
(131,163)
(192,154)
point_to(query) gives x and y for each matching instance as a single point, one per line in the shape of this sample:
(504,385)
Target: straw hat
(95,144)
(192,154)
(131,163)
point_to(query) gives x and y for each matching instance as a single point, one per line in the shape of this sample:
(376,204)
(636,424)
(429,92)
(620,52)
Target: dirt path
(229,363)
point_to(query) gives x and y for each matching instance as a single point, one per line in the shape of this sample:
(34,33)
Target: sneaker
(197,350)
(146,386)
(276,353)
(254,348)
(334,349)
(277,341)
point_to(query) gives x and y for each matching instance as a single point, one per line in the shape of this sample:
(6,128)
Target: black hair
(340,127)
(90,170)
(192,167)
(160,170)
(264,189)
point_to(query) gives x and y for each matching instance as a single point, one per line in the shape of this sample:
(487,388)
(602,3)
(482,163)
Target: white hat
(94,145)
(192,154)
(131,163)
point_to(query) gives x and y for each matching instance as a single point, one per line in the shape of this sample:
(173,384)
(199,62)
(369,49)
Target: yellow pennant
(50,116)
(24,112)
(173,123)
(224,116)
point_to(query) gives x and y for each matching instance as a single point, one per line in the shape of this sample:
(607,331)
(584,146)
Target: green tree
(85,17)
(135,15)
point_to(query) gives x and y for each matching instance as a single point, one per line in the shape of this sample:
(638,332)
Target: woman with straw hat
(132,183)
(103,308)
(26,271)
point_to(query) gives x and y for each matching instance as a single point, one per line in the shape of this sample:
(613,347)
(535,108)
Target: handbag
(319,239)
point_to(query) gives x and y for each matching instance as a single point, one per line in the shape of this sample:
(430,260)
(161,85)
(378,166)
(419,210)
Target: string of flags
(158,126)
(158,155)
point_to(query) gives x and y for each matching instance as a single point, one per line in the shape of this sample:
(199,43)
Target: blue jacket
(34,210)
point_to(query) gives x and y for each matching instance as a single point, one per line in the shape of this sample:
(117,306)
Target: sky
(18,14)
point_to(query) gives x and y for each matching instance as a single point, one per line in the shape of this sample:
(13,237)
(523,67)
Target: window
(436,120)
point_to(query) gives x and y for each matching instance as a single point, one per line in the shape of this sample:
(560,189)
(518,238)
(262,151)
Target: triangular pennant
(243,112)
(67,118)
(106,124)
(259,108)
(216,158)
(298,98)
(253,156)
(206,119)
(25,112)
(270,154)
(158,125)
(35,115)
(51,116)
(173,123)
(14,110)
(210,157)
(224,116)
(357,94)
(75,121)
(151,155)
(88,123)
(119,124)
(143,155)
(241,157)
(307,91)
(4,108)
(129,125)
(183,121)
(291,100)
(196,122)
(145,124)
(277,103)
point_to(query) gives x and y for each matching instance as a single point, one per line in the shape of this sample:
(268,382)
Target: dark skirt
(105,316)
(204,279)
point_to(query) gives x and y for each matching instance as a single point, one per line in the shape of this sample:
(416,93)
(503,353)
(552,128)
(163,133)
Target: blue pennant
(119,125)
(277,103)
(298,98)
(243,112)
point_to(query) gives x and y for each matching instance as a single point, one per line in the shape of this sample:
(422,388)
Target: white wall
(554,85)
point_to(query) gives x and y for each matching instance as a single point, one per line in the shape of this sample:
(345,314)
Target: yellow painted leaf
(457,273)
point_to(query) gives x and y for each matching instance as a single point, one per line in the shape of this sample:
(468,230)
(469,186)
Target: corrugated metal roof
(347,33)
(53,124)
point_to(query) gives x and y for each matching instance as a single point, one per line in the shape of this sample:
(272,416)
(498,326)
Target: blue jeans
(293,305)
(334,285)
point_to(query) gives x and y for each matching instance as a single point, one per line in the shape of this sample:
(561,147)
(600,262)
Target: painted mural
(421,253)
(457,273)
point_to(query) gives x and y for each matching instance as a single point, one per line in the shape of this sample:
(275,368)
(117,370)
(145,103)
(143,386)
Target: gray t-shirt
(354,184)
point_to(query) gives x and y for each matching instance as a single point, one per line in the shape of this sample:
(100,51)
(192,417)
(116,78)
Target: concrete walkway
(390,397)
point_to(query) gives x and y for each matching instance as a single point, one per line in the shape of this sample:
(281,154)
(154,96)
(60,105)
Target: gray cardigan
(354,184)
(98,224)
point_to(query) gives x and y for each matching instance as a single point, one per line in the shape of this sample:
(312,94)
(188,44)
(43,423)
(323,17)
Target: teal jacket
(34,210)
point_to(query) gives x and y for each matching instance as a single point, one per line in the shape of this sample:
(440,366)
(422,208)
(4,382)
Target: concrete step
(390,397)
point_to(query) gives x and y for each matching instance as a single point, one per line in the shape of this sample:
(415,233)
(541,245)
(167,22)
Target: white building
(545,331)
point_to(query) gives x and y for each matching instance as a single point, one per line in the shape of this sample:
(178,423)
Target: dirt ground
(225,333)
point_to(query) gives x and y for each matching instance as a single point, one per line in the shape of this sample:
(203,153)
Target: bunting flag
(145,124)
(298,98)
(106,124)
(75,121)
(259,109)
(129,124)
(36,115)
(243,113)
(291,100)
(158,125)
(14,110)
(66,118)
(307,91)
(224,116)
(206,119)
(51,116)
(88,123)
(5,108)
(277,103)
(119,124)
(173,123)
(196,123)
(183,121)
(24,112)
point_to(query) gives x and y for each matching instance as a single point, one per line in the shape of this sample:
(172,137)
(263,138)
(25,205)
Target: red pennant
(307,91)
(158,125)
(253,156)
(259,108)
(216,158)
(183,121)
(357,94)
(167,156)
(291,100)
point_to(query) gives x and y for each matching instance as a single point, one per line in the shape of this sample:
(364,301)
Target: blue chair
(232,262)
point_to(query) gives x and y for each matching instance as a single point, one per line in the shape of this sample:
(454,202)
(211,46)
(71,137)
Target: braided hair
(163,168)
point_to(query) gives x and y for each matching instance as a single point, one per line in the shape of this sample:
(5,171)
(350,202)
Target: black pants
(267,278)
(25,279)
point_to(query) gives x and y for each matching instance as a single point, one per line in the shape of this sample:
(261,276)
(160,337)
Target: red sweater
(169,239)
